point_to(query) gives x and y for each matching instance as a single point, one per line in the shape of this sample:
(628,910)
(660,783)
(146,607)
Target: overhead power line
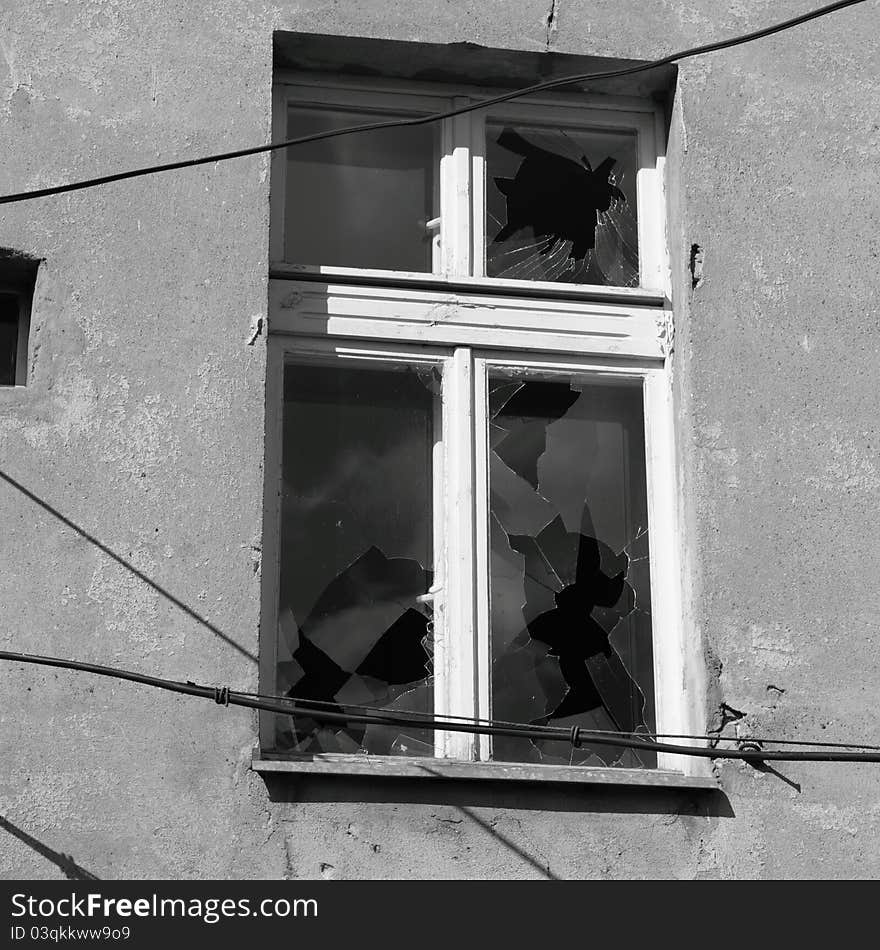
(575,735)
(437,116)
(305,705)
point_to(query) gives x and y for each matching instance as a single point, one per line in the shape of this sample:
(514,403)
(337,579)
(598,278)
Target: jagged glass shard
(414,698)
(359,200)
(408,745)
(561,205)
(499,393)
(518,507)
(508,593)
(356,547)
(524,416)
(582,654)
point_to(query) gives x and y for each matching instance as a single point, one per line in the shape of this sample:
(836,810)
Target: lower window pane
(571,602)
(356,552)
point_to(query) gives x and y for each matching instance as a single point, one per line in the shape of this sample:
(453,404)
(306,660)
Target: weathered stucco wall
(142,424)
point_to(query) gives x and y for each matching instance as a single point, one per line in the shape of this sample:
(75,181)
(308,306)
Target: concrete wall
(142,425)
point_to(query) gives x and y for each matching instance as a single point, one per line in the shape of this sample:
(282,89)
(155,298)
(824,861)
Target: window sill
(388,766)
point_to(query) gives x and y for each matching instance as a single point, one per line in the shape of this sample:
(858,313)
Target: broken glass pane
(571,627)
(356,550)
(561,205)
(359,200)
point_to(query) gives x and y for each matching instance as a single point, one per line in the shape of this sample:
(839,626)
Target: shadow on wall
(72,871)
(542,869)
(128,566)
(501,794)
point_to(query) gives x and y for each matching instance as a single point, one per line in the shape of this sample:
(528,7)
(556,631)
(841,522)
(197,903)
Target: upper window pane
(360,200)
(561,205)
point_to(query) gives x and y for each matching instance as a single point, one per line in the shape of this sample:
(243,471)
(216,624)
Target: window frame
(462,171)
(471,323)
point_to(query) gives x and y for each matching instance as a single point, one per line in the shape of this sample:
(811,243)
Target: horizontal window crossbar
(489,287)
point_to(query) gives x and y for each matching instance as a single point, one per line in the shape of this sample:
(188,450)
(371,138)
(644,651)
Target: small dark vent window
(17,277)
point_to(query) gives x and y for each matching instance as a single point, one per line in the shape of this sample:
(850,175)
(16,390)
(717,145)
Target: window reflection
(360,200)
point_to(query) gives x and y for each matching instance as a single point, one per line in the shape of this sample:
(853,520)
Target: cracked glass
(561,205)
(356,553)
(362,200)
(571,637)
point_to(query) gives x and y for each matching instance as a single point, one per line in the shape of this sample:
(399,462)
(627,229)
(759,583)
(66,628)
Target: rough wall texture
(142,425)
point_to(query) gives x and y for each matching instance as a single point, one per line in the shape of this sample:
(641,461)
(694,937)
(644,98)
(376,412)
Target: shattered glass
(570,589)
(561,205)
(356,553)
(361,200)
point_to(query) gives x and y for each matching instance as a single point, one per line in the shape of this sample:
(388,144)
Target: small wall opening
(18,275)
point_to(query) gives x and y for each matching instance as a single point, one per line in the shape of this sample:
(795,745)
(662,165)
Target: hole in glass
(561,205)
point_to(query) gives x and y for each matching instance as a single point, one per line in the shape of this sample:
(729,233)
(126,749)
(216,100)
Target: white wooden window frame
(469,324)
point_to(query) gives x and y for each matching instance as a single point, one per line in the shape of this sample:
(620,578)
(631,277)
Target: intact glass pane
(571,633)
(360,200)
(356,553)
(561,205)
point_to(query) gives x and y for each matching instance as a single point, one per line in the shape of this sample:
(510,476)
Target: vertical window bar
(481,536)
(455,196)
(456,693)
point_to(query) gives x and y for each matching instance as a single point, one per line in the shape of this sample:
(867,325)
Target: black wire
(289,707)
(306,704)
(436,117)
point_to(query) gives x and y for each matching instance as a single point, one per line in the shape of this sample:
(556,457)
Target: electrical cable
(576,735)
(306,704)
(436,117)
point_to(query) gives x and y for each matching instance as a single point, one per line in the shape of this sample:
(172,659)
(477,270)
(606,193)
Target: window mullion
(454,650)
(482,639)
(455,194)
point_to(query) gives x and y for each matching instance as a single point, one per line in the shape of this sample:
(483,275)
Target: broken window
(561,205)
(521,192)
(570,590)
(570,631)
(356,552)
(470,487)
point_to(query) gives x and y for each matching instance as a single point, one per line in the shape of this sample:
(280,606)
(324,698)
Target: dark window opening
(17,278)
